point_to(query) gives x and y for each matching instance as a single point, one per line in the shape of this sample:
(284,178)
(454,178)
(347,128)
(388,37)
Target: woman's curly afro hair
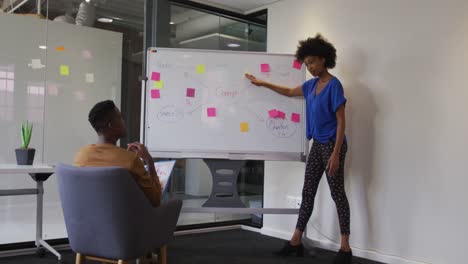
(317,46)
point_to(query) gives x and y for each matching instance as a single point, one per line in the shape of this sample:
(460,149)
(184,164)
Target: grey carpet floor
(224,247)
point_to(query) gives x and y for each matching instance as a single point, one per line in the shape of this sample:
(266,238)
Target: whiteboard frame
(215,154)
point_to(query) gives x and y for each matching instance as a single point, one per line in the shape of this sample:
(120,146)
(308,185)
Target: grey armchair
(107,216)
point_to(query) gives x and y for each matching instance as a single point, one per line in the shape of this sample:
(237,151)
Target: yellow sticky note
(244,127)
(159,84)
(64,70)
(201,68)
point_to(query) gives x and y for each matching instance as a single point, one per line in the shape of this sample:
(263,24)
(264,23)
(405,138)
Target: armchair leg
(79,259)
(163,255)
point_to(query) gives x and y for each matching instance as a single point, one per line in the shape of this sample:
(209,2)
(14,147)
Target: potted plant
(25,155)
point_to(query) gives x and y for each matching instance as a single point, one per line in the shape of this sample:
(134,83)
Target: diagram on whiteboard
(205,100)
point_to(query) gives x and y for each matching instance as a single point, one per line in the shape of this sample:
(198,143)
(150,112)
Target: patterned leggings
(316,164)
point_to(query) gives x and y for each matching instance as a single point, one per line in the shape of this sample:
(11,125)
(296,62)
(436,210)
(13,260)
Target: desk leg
(39,210)
(39,216)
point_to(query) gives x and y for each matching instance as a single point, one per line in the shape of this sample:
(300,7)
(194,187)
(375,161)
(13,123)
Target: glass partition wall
(59,57)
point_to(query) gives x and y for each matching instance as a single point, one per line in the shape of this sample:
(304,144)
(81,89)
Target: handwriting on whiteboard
(225,92)
(281,128)
(170,114)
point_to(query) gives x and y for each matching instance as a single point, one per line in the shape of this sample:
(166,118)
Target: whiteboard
(203,106)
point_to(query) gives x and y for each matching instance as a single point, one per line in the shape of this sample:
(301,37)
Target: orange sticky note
(60,48)
(244,127)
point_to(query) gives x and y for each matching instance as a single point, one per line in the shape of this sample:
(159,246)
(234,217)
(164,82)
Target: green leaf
(26,133)
(22,136)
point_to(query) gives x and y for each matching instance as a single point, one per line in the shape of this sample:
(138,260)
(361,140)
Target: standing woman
(325,124)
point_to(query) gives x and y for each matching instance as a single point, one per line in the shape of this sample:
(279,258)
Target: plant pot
(25,156)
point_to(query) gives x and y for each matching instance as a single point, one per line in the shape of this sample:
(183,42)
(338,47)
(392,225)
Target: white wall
(403,65)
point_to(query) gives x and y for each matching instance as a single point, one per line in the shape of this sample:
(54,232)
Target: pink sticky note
(156,76)
(297,65)
(295,117)
(273,113)
(265,67)
(211,112)
(190,92)
(155,94)
(281,115)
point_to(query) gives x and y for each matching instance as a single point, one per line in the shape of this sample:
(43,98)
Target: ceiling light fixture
(172,23)
(105,20)
(233,45)
(43,47)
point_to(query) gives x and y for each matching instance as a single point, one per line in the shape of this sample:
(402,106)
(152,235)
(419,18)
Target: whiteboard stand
(224,191)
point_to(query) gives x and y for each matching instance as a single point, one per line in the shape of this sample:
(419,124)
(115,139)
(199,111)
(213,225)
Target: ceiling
(132,11)
(240,6)
(188,23)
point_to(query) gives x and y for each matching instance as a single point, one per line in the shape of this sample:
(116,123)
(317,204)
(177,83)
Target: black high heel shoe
(289,250)
(343,257)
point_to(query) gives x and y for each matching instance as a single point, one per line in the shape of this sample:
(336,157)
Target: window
(35,103)
(7,88)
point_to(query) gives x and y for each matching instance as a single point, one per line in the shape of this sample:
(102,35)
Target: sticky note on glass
(265,67)
(36,64)
(155,76)
(60,48)
(64,70)
(87,54)
(201,68)
(155,94)
(159,84)
(244,127)
(89,77)
(297,65)
(273,113)
(281,115)
(211,112)
(295,117)
(190,92)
